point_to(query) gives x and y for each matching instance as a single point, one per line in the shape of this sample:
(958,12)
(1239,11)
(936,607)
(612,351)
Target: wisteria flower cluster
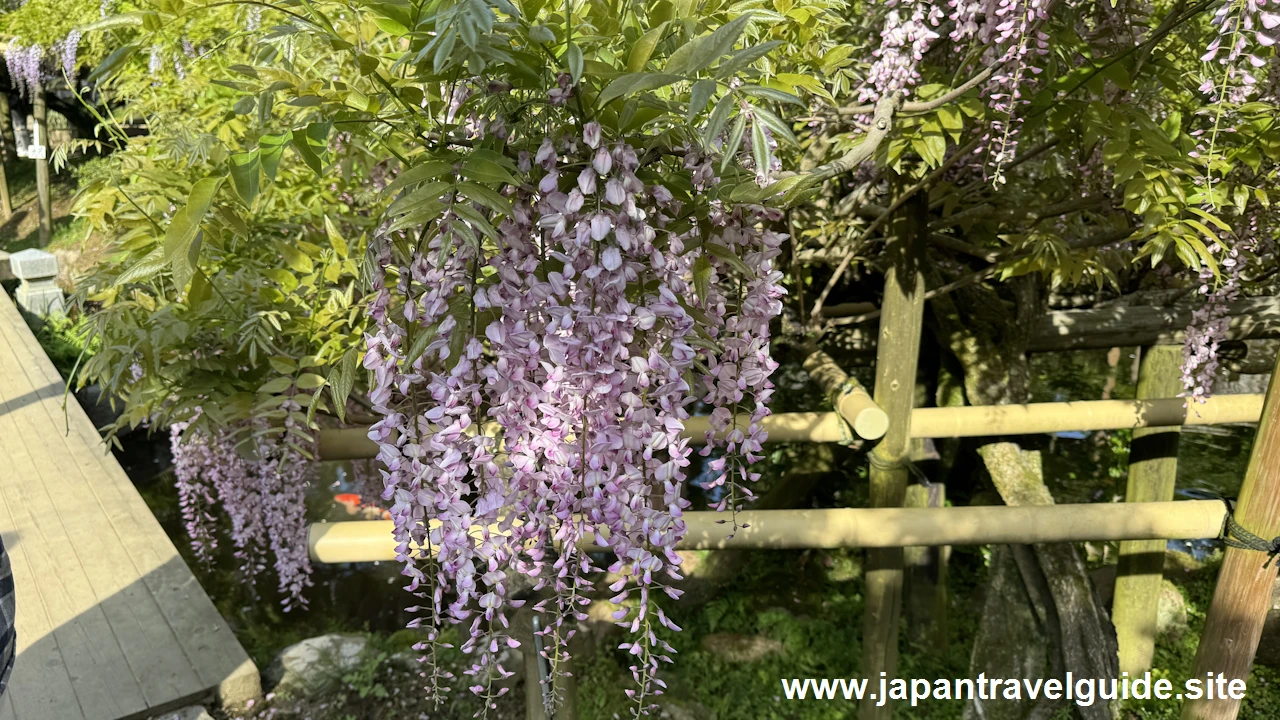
(908,31)
(1009,31)
(1244,27)
(263,496)
(1210,321)
(24,66)
(534,387)
(25,62)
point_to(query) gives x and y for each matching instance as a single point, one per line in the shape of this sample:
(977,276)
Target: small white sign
(37,152)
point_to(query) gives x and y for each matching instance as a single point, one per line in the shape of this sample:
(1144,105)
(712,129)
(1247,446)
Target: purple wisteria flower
(907,32)
(1210,321)
(263,497)
(580,349)
(68,48)
(24,66)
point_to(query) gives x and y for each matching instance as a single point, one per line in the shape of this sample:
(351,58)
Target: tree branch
(927,105)
(923,184)
(1105,238)
(881,125)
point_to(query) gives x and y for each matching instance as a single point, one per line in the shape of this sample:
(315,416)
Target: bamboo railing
(371,540)
(943,422)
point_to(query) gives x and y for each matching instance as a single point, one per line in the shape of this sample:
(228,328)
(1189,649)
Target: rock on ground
(1171,617)
(741,648)
(315,661)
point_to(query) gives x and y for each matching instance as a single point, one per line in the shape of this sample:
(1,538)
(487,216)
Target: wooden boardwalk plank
(204,634)
(171,639)
(100,673)
(150,645)
(39,687)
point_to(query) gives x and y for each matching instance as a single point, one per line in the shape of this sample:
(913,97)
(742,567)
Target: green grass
(21,231)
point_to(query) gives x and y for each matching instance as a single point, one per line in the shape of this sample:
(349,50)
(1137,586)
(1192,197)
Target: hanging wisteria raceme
(1244,29)
(907,33)
(191,456)
(282,473)
(1210,321)
(1010,33)
(263,498)
(67,49)
(25,61)
(580,335)
(24,66)
(1016,36)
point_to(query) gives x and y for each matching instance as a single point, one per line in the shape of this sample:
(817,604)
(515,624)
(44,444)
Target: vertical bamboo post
(1243,593)
(534,708)
(1153,471)
(43,201)
(926,577)
(896,358)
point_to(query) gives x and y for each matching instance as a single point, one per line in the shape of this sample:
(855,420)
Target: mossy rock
(741,648)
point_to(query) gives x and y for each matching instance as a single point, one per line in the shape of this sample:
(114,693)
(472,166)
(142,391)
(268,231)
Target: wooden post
(1243,593)
(1153,471)
(10,152)
(43,200)
(897,355)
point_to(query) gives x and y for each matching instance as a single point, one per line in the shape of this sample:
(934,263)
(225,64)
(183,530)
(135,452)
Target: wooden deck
(111,623)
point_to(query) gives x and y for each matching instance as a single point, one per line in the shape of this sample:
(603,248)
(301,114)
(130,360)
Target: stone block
(311,664)
(241,687)
(32,264)
(40,297)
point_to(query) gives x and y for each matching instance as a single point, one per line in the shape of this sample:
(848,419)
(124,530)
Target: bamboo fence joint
(850,399)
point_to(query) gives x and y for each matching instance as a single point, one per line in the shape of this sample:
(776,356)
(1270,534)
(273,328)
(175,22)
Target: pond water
(1081,467)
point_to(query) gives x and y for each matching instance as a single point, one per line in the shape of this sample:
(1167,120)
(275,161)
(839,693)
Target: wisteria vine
(533,391)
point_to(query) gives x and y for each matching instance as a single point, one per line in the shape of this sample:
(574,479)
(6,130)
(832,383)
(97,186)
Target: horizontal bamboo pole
(1076,416)
(981,421)
(371,540)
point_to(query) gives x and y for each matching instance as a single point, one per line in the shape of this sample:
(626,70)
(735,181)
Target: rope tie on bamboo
(880,463)
(1237,537)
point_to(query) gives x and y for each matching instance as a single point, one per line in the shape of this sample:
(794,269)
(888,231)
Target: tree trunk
(990,344)
(1083,632)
